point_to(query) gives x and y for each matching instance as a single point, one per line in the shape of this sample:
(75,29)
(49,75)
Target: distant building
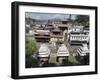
(30,35)
(75,28)
(62,53)
(56,35)
(78,38)
(42,35)
(86,29)
(83,54)
(44,53)
(78,28)
(63,25)
(37,27)
(49,27)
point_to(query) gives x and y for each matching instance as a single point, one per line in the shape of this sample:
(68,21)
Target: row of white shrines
(62,52)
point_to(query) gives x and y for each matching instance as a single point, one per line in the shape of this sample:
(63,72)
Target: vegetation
(29,20)
(31,62)
(49,64)
(83,19)
(53,58)
(31,48)
(72,60)
(80,19)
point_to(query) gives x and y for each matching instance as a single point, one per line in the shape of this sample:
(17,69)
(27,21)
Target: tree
(30,47)
(29,20)
(83,19)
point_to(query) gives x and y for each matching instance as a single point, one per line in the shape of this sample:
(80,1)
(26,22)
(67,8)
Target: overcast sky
(46,16)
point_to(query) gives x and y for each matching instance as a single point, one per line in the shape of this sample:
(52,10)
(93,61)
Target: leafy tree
(30,47)
(29,20)
(83,19)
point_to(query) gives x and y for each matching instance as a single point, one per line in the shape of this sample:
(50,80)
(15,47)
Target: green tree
(30,47)
(83,19)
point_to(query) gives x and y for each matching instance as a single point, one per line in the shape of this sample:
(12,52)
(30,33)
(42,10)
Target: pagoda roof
(56,30)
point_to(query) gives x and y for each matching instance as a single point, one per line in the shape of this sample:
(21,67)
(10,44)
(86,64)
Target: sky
(47,16)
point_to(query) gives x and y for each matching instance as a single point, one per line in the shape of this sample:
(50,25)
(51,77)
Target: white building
(44,52)
(83,50)
(62,53)
(75,28)
(78,27)
(78,37)
(83,55)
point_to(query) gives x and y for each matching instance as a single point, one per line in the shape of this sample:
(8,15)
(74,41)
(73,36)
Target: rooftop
(56,30)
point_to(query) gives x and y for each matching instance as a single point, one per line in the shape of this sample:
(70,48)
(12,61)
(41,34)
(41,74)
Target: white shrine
(62,53)
(44,52)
